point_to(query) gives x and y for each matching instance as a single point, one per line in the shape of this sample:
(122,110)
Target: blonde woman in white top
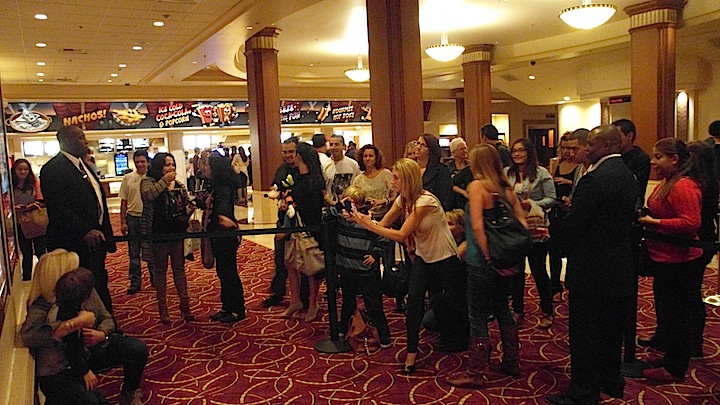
(426,228)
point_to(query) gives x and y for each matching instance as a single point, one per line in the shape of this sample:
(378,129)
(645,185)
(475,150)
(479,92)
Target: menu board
(50,117)
(121,163)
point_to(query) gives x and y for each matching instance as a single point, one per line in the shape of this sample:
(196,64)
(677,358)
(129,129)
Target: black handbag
(508,240)
(395,278)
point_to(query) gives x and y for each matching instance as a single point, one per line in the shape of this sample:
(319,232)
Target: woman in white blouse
(426,228)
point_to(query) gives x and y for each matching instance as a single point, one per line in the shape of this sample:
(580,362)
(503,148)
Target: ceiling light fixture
(587,15)
(41,44)
(445,52)
(41,74)
(137,48)
(566,98)
(41,80)
(531,77)
(122,65)
(109,81)
(40,63)
(249,27)
(359,74)
(158,23)
(113,75)
(40,17)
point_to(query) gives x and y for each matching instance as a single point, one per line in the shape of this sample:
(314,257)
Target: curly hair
(378,157)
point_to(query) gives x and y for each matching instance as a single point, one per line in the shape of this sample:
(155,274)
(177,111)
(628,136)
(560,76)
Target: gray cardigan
(542,190)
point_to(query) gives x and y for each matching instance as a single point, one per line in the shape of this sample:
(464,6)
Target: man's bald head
(72,140)
(602,141)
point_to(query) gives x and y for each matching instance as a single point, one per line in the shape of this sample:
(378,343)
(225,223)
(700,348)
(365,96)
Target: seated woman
(42,332)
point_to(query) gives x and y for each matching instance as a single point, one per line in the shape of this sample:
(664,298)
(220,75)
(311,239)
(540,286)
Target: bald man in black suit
(77,209)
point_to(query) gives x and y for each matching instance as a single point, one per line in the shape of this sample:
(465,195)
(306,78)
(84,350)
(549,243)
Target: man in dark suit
(78,213)
(600,275)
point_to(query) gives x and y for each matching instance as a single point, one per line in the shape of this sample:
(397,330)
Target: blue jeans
(487,294)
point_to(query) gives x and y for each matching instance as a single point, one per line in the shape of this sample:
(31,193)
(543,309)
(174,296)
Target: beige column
(652,38)
(264,117)
(395,74)
(478,93)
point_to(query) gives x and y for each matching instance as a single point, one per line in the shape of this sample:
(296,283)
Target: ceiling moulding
(614,34)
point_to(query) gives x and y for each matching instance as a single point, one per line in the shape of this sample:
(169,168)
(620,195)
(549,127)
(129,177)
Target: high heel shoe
(311,315)
(409,369)
(288,313)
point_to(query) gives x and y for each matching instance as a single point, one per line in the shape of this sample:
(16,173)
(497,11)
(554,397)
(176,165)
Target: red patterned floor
(270,360)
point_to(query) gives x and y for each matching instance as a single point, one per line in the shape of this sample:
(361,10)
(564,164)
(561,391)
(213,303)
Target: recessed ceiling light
(462,80)
(194,62)
(561,102)
(41,44)
(137,48)
(41,74)
(41,80)
(249,27)
(158,23)
(109,81)
(113,75)
(40,63)
(40,16)
(312,64)
(566,98)
(531,77)
(122,65)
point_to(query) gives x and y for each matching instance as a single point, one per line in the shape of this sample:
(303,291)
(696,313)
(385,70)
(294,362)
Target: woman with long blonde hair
(486,287)
(436,261)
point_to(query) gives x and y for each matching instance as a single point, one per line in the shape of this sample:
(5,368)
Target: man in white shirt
(340,174)
(131,209)
(320,144)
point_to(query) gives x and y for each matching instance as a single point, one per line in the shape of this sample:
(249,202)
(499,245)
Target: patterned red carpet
(266,359)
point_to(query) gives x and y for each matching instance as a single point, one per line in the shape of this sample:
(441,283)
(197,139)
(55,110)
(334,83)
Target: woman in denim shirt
(534,185)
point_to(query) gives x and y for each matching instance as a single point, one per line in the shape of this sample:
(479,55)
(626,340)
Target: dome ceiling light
(444,52)
(359,74)
(587,15)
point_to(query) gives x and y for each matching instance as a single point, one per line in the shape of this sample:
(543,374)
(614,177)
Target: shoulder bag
(33,223)
(508,240)
(302,252)
(362,334)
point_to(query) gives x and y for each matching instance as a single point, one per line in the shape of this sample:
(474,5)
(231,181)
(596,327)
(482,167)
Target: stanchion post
(334,344)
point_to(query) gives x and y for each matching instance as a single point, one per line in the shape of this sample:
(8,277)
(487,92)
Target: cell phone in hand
(349,205)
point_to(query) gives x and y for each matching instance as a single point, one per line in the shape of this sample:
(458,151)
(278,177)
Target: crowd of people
(586,206)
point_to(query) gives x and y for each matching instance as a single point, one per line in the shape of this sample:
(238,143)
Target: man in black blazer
(78,213)
(600,274)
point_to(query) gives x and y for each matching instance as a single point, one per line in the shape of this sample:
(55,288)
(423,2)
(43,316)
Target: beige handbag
(34,223)
(302,252)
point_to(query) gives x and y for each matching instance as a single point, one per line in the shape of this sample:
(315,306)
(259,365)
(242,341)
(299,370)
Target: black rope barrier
(217,234)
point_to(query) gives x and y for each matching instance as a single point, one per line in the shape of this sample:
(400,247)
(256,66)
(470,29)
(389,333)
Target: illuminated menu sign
(50,117)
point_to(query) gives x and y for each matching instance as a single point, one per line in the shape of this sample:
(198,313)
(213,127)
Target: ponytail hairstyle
(686,165)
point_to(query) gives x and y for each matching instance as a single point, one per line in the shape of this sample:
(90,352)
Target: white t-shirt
(339,176)
(130,192)
(433,239)
(325,162)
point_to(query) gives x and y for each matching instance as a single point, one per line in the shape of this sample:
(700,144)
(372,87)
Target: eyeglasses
(519,150)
